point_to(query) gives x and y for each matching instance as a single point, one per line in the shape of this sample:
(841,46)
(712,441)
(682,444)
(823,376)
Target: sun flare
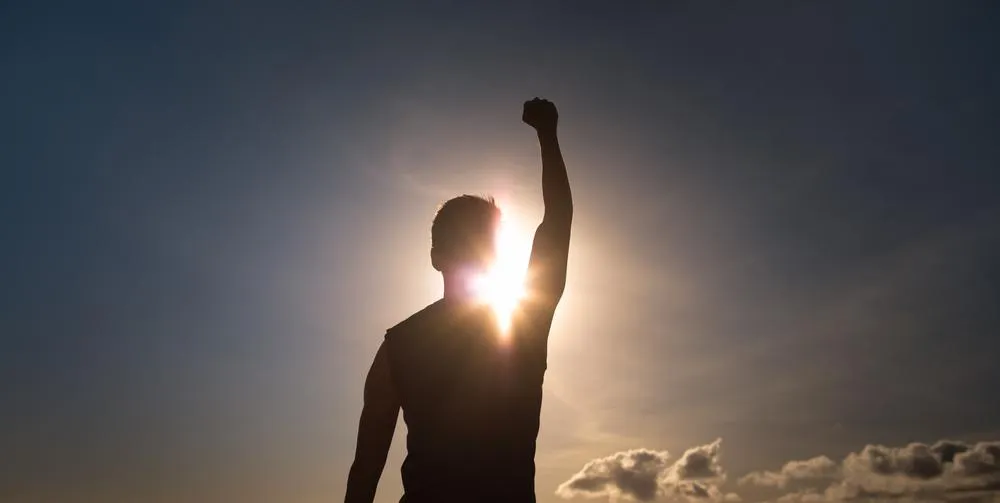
(503,286)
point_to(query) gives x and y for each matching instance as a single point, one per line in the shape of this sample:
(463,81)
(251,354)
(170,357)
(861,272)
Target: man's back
(471,398)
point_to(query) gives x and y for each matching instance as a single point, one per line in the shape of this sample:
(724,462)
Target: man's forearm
(374,439)
(363,480)
(556,192)
(550,247)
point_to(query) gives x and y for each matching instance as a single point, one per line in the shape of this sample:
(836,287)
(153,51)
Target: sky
(784,277)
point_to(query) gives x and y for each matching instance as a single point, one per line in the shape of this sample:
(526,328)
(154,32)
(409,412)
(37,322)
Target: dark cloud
(947,449)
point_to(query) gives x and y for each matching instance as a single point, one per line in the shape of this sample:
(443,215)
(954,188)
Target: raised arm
(378,421)
(550,250)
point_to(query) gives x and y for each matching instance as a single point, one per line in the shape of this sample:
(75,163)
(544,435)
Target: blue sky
(785,233)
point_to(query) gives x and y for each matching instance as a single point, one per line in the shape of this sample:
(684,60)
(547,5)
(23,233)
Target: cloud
(809,496)
(915,461)
(947,449)
(944,471)
(634,474)
(983,459)
(814,469)
(645,475)
(700,462)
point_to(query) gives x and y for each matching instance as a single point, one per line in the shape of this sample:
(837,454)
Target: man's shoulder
(420,319)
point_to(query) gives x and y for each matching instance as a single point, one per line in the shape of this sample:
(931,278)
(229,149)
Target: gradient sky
(786,230)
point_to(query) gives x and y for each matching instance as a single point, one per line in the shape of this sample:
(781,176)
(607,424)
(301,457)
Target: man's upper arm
(378,421)
(549,259)
(381,401)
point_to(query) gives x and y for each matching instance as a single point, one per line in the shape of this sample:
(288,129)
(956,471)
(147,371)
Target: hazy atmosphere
(784,280)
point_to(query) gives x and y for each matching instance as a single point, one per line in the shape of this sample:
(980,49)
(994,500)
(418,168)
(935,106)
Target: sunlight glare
(503,286)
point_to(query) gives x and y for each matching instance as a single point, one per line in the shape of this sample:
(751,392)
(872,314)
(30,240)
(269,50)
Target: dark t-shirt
(471,397)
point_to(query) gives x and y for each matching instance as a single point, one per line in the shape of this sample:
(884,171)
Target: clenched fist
(541,115)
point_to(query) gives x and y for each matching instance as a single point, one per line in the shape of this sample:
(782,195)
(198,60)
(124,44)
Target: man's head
(463,235)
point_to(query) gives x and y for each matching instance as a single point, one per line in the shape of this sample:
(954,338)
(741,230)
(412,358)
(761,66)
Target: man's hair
(463,230)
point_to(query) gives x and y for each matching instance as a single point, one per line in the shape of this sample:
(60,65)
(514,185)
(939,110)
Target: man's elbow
(560,215)
(566,210)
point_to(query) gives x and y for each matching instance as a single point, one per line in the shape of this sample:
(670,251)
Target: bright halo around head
(503,286)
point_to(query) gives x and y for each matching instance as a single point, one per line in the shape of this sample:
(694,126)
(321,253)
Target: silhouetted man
(471,396)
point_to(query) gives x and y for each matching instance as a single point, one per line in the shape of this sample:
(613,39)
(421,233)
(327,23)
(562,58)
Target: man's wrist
(546,133)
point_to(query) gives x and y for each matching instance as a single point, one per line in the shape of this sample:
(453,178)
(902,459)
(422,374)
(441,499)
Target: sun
(502,287)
